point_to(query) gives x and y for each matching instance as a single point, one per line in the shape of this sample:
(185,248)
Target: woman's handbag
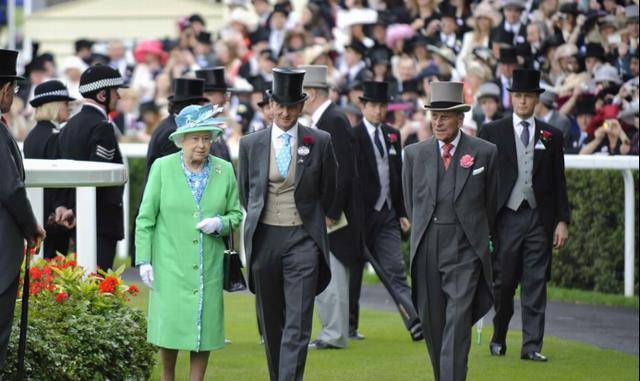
(233,277)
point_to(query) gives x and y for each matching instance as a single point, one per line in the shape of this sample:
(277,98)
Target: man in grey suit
(287,181)
(548,113)
(450,186)
(17,222)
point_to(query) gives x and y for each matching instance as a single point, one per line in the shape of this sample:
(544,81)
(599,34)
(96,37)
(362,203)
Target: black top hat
(213,79)
(188,90)
(358,47)
(282,8)
(594,50)
(260,35)
(98,77)
(586,105)
(286,88)
(501,36)
(570,8)
(410,86)
(550,42)
(380,55)
(83,44)
(50,91)
(508,55)
(447,10)
(526,81)
(375,92)
(8,59)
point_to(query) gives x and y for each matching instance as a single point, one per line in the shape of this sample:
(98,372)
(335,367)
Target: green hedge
(593,258)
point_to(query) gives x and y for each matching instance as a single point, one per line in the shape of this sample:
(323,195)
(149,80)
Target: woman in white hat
(484,18)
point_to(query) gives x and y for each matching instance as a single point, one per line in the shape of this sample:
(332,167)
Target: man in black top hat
(355,68)
(90,136)
(507,63)
(83,49)
(17,222)
(594,57)
(203,50)
(379,165)
(578,138)
(216,91)
(533,213)
(287,182)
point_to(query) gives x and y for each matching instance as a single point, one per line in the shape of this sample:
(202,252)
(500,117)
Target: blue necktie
(283,158)
(524,136)
(376,139)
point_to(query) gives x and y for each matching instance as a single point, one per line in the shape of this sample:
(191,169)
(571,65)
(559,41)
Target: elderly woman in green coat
(190,202)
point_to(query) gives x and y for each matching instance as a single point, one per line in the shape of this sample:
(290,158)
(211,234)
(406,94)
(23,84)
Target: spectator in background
(547,112)
(83,50)
(507,63)
(118,59)
(127,117)
(277,28)
(203,51)
(487,108)
(150,58)
(585,110)
(483,20)
(608,139)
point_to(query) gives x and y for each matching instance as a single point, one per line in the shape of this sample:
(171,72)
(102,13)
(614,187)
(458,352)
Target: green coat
(185,306)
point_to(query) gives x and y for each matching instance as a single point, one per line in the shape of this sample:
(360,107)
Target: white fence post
(36,198)
(86,228)
(629,232)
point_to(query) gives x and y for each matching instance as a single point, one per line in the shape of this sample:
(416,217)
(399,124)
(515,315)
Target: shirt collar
(318,113)
(517,120)
(277,131)
(455,141)
(370,127)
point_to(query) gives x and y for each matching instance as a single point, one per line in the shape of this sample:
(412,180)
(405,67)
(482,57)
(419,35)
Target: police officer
(51,103)
(89,136)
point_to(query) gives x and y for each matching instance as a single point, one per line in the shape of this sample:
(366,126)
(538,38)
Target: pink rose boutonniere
(466,161)
(392,138)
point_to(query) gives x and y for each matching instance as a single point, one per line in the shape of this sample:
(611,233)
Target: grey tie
(524,136)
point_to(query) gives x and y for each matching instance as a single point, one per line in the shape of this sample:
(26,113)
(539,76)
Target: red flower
(545,135)
(61,297)
(307,140)
(392,138)
(466,161)
(109,285)
(133,289)
(35,273)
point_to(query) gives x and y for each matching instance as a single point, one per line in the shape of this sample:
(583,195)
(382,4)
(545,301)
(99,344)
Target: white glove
(146,273)
(210,225)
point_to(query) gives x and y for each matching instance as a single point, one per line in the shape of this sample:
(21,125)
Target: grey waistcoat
(523,188)
(445,212)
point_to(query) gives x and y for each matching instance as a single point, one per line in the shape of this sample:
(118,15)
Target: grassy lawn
(388,354)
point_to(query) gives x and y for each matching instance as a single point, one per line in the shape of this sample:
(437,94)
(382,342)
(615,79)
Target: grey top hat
(488,90)
(315,76)
(547,98)
(447,96)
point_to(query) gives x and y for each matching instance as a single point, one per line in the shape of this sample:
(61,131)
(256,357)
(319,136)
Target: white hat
(607,73)
(74,62)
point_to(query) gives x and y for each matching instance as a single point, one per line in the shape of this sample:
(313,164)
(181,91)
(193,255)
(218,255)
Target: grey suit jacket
(475,199)
(561,122)
(315,188)
(17,221)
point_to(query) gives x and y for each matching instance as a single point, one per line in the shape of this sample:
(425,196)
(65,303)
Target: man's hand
(405,225)
(64,217)
(329,221)
(560,235)
(35,241)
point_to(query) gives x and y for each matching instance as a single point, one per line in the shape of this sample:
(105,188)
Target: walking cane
(24,315)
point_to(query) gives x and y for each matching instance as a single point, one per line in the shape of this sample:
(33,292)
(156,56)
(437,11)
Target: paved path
(606,327)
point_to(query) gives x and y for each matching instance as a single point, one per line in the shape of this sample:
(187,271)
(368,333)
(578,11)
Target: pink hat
(397,32)
(150,47)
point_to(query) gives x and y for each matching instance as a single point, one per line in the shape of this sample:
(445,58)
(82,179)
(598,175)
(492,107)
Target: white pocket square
(539,145)
(477,171)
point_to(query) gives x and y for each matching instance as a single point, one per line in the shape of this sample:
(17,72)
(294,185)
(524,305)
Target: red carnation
(61,297)
(307,140)
(393,137)
(545,135)
(109,284)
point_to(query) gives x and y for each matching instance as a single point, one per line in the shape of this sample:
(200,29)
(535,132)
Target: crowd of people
(327,118)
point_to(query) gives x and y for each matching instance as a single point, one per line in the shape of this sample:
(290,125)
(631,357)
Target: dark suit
(452,211)
(524,237)
(17,223)
(287,266)
(381,227)
(89,136)
(42,143)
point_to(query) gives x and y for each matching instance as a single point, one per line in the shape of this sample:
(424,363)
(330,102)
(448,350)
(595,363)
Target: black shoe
(533,356)
(497,349)
(416,332)
(319,344)
(355,335)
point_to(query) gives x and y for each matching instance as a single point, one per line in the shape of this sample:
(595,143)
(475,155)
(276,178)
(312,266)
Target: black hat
(265,99)
(410,86)
(508,55)
(196,18)
(149,106)
(594,50)
(204,38)
(269,54)
(188,89)
(83,44)
(8,59)
(358,47)
(260,35)
(552,41)
(380,56)
(50,91)
(501,36)
(282,8)
(286,88)
(213,79)
(98,77)
(586,105)
(375,92)
(447,10)
(569,8)
(526,81)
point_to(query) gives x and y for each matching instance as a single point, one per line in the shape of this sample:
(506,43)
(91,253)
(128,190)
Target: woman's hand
(146,274)
(210,225)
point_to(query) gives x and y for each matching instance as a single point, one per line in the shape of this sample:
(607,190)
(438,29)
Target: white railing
(85,176)
(625,164)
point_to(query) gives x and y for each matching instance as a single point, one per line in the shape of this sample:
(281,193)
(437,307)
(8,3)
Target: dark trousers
(384,245)
(7,306)
(285,266)
(447,272)
(521,257)
(57,241)
(106,251)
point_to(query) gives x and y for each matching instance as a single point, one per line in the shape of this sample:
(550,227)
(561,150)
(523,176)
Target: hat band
(101,84)
(56,93)
(444,104)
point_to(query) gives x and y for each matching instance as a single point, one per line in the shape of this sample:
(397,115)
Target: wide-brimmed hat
(286,88)
(213,79)
(99,77)
(50,91)
(153,47)
(194,118)
(8,59)
(526,81)
(374,91)
(315,76)
(188,90)
(444,52)
(548,99)
(486,10)
(447,96)
(607,73)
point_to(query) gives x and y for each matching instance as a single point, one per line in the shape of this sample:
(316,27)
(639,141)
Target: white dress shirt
(517,126)
(455,143)
(382,164)
(278,142)
(318,113)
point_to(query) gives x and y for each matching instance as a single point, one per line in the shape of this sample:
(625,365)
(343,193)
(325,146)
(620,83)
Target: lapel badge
(218,169)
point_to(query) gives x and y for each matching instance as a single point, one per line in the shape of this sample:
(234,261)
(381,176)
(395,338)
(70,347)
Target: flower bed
(80,326)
